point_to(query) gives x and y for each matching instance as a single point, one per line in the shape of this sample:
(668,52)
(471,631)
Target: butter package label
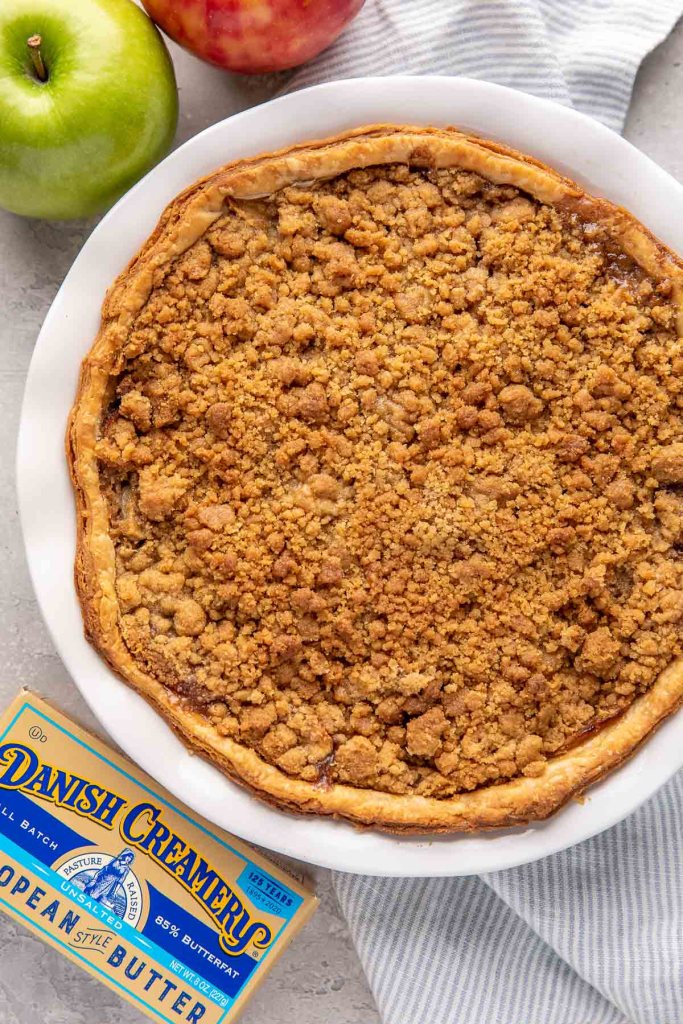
(181,919)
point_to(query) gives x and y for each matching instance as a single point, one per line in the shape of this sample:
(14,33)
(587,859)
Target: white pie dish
(586,151)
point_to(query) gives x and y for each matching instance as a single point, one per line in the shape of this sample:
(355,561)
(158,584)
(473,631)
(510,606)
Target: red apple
(252,36)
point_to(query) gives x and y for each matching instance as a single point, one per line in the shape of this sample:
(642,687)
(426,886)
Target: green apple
(88,103)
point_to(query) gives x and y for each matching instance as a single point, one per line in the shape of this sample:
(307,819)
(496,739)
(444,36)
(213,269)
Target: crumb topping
(394,468)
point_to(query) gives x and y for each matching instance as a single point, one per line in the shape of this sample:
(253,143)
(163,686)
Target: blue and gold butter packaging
(181,919)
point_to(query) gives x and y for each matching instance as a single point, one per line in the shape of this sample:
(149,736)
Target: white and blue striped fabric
(583,53)
(593,935)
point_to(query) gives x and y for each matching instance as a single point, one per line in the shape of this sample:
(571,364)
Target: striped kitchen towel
(584,53)
(593,935)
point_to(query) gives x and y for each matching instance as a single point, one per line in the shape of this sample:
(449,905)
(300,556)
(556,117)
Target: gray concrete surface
(320,978)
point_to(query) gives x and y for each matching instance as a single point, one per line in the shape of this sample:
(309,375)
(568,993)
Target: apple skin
(253,36)
(107,113)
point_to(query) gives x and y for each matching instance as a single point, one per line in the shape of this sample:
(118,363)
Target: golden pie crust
(377,460)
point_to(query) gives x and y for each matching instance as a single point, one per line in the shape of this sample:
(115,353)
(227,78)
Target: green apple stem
(34,44)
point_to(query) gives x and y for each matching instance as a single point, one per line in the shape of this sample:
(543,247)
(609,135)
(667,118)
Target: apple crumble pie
(379,463)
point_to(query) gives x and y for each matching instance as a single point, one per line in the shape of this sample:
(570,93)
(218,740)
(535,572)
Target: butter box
(178,917)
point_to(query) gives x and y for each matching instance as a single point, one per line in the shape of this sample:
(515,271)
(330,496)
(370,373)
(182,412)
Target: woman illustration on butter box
(104,884)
